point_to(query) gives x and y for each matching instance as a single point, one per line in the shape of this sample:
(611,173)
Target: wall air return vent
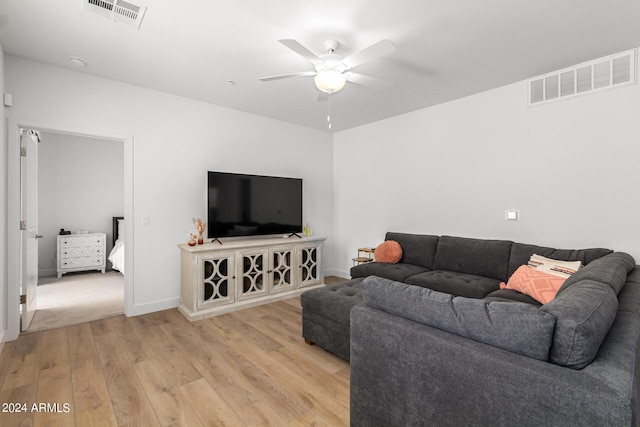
(601,74)
(116,10)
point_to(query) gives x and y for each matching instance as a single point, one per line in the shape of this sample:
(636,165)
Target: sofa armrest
(407,373)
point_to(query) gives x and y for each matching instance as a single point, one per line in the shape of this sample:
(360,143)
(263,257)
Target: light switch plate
(512,215)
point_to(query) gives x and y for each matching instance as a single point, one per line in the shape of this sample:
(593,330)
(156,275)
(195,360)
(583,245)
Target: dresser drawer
(77,252)
(88,261)
(81,241)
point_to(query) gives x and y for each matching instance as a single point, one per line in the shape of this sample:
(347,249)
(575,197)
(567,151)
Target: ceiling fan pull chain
(329,111)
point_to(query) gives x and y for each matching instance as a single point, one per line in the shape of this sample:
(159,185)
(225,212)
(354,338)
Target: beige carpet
(77,298)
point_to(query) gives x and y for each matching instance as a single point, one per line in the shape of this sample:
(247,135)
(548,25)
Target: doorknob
(39,236)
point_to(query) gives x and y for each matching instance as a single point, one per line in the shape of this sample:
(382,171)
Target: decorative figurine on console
(200,226)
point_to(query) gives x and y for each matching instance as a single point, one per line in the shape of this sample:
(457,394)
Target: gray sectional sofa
(432,340)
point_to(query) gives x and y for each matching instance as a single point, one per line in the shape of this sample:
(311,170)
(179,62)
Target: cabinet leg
(308,341)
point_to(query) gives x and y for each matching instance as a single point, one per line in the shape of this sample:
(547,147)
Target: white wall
(175,141)
(3,208)
(80,187)
(570,167)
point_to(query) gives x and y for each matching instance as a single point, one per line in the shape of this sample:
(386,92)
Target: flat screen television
(252,205)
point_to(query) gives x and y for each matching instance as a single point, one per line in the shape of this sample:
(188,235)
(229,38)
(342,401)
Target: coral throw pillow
(389,252)
(539,285)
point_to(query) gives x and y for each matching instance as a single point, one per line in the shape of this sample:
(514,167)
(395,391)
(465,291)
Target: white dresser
(80,252)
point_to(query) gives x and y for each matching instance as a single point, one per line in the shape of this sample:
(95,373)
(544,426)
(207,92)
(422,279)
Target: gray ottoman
(326,315)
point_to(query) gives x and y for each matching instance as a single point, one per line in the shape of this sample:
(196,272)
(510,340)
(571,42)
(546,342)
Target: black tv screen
(252,205)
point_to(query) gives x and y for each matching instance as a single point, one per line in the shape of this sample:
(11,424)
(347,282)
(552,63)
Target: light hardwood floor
(246,368)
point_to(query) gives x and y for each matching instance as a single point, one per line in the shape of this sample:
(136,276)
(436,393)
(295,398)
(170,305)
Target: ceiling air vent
(601,74)
(116,10)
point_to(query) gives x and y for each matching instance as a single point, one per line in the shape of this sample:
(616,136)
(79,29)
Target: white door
(29,202)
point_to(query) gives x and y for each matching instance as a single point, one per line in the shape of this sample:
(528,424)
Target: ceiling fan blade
(376,50)
(301,50)
(368,81)
(286,76)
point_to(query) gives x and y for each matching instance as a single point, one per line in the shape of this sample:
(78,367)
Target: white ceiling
(446,49)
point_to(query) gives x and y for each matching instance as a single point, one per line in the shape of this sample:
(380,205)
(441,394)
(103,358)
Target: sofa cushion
(457,284)
(417,249)
(516,327)
(388,251)
(584,313)
(520,254)
(611,269)
(489,258)
(511,295)
(399,271)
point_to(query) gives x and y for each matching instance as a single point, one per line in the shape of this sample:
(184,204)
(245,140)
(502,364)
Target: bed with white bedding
(116,256)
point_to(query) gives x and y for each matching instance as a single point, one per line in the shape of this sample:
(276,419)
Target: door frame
(14,238)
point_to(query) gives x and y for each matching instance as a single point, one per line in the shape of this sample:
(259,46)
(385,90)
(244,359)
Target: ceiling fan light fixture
(330,81)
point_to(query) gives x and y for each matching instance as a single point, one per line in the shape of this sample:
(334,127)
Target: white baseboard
(46,272)
(151,307)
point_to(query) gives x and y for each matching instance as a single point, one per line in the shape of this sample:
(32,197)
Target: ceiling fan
(332,71)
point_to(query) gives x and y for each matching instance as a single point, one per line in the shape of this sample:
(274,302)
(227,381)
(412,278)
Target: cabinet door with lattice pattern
(282,268)
(217,280)
(310,266)
(252,273)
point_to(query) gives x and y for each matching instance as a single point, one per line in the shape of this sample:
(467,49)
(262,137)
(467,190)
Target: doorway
(16,259)
(80,190)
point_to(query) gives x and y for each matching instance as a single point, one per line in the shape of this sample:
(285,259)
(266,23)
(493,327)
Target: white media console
(219,278)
